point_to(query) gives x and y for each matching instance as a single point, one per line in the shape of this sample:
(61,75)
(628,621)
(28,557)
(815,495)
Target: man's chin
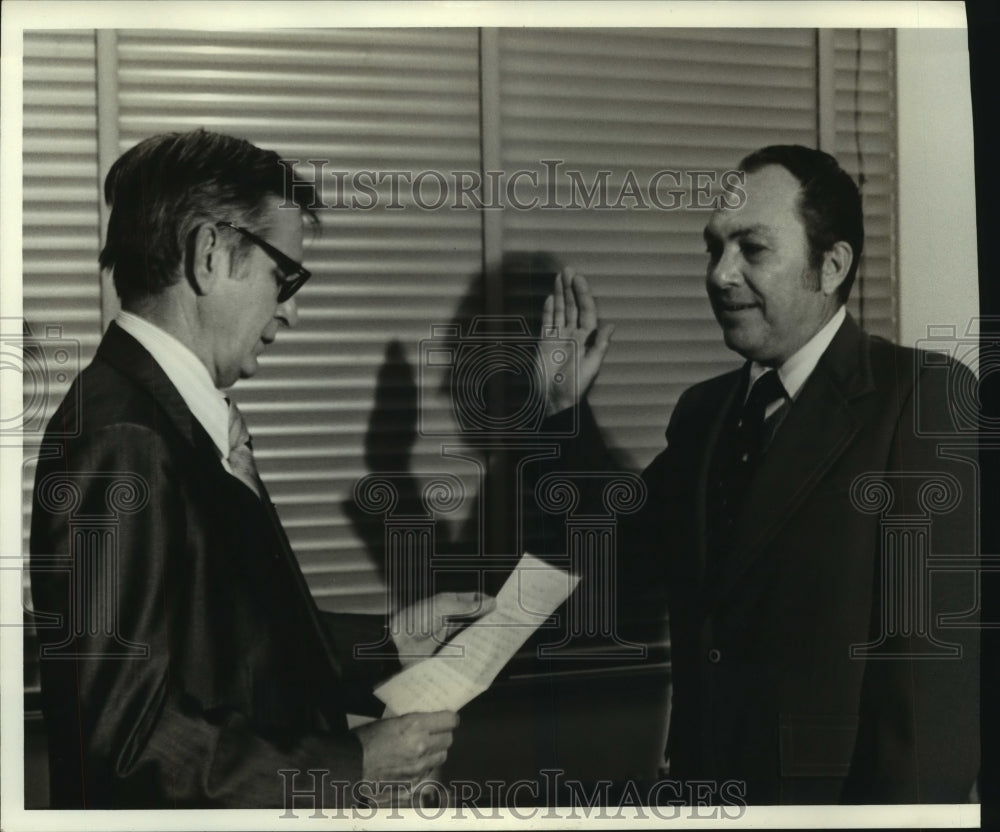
(754,351)
(739,340)
(249,367)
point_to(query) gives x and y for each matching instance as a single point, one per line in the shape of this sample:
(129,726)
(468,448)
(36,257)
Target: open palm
(570,315)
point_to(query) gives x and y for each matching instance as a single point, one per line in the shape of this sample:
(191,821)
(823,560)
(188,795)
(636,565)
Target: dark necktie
(241,451)
(739,450)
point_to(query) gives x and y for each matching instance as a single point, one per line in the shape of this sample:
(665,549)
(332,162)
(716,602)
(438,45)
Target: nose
(288,313)
(725,272)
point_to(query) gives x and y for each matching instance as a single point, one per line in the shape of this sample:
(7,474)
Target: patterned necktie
(241,451)
(739,450)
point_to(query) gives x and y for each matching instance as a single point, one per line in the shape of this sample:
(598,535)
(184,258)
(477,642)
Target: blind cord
(861,166)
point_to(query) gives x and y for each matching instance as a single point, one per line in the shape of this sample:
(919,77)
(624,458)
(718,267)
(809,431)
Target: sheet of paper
(469,663)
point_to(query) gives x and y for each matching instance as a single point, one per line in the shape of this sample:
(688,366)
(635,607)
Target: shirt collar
(186,372)
(794,372)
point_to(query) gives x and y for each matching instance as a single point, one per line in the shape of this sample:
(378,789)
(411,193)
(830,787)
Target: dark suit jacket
(191,663)
(765,689)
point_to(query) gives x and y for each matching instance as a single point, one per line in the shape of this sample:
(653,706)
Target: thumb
(603,340)
(463,603)
(590,365)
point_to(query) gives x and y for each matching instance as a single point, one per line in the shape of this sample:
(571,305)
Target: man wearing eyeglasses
(190,666)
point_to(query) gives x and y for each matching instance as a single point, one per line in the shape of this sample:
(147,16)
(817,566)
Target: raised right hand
(406,748)
(570,313)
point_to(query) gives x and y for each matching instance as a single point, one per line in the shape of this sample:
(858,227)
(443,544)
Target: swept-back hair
(162,189)
(829,202)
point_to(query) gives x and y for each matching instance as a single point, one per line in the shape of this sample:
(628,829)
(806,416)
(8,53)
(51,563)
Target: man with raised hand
(814,659)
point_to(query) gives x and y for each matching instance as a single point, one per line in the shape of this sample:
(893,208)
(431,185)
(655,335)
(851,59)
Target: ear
(836,264)
(208,258)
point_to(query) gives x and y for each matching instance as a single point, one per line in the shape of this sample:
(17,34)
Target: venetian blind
(339,397)
(336,397)
(865,145)
(62,306)
(632,103)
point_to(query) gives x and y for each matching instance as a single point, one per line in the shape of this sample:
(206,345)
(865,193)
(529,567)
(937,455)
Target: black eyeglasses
(294,274)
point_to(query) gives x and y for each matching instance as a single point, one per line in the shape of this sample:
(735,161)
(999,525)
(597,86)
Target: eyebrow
(759,228)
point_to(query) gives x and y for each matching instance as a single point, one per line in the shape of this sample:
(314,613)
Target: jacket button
(714,656)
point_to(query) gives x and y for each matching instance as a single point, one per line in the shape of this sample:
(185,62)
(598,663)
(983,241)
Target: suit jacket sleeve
(142,731)
(918,732)
(349,631)
(640,560)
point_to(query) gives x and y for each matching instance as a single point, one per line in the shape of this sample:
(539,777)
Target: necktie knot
(240,459)
(766,390)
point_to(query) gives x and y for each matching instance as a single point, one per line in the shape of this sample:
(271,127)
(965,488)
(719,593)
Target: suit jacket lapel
(818,428)
(125,353)
(727,402)
(324,637)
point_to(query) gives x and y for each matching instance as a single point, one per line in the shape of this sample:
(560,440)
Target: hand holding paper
(428,623)
(405,748)
(469,663)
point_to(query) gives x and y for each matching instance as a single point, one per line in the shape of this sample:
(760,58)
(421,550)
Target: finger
(454,604)
(436,743)
(454,623)
(435,721)
(421,751)
(435,762)
(548,312)
(570,299)
(585,301)
(381,797)
(487,603)
(410,770)
(602,342)
(432,772)
(558,303)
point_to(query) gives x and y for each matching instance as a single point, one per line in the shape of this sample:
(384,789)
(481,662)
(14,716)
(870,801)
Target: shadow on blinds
(483,366)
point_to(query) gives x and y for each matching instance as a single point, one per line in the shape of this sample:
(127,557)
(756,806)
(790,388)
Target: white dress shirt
(794,372)
(186,372)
